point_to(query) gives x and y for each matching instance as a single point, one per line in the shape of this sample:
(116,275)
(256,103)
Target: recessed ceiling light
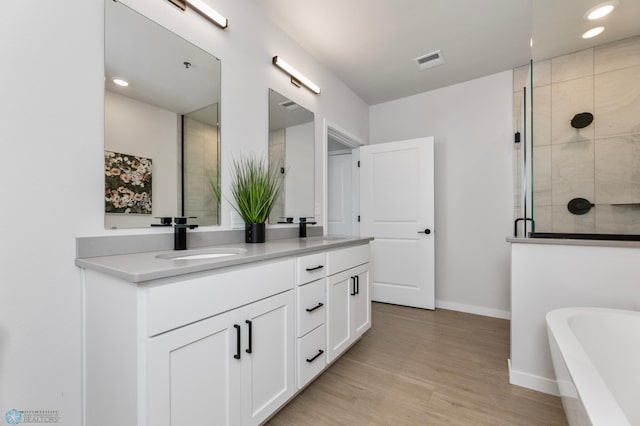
(601,10)
(593,32)
(121,82)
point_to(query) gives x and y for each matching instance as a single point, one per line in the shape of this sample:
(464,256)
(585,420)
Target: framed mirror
(291,146)
(162,138)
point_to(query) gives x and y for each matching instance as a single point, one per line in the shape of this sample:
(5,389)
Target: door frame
(351,142)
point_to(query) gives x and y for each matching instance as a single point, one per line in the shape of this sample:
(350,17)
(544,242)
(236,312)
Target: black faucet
(180,232)
(303,226)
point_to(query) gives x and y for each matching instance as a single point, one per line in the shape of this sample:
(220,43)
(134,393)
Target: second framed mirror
(291,146)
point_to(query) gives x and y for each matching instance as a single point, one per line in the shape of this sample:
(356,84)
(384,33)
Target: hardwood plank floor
(419,367)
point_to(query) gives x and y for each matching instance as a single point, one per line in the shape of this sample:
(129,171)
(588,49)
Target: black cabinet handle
(353,286)
(250,336)
(318,306)
(320,352)
(426,231)
(315,268)
(237,327)
(357,284)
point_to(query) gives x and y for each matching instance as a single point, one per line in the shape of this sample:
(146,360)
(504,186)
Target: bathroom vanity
(223,340)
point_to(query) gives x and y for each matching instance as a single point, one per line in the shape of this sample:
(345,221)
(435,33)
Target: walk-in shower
(577,114)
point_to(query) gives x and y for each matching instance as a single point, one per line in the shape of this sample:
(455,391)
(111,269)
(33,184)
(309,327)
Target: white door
(339,194)
(268,363)
(396,207)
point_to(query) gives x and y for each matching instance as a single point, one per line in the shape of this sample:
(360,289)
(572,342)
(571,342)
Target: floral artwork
(127,183)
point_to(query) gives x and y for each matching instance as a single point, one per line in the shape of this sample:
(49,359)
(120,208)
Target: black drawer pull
(320,352)
(318,306)
(250,336)
(315,268)
(357,284)
(237,327)
(353,283)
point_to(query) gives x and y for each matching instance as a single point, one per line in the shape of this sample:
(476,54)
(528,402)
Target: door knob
(426,231)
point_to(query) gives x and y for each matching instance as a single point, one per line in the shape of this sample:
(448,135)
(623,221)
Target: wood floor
(418,367)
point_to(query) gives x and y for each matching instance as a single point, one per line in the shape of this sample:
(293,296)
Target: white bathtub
(596,357)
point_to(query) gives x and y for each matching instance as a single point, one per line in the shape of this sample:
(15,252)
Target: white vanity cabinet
(215,346)
(234,368)
(211,348)
(349,301)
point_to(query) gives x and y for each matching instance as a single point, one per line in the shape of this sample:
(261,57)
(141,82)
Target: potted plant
(255,186)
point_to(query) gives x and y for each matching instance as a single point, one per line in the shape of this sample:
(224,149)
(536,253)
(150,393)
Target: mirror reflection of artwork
(127,183)
(169,111)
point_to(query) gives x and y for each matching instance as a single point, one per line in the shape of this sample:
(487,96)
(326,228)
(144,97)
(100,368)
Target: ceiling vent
(429,60)
(289,104)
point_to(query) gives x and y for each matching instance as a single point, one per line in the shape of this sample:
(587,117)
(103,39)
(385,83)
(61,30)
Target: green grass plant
(255,186)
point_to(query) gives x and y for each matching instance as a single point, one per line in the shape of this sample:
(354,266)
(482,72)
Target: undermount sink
(326,238)
(202,254)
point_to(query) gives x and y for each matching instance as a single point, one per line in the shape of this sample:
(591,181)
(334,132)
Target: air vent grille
(429,60)
(289,104)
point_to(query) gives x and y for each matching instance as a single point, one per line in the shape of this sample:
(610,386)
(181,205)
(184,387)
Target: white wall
(51,128)
(298,144)
(552,276)
(144,130)
(472,126)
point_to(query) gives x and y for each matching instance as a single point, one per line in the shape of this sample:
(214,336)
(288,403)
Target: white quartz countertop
(141,267)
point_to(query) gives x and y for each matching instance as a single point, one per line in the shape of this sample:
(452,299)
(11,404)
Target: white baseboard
(530,381)
(473,309)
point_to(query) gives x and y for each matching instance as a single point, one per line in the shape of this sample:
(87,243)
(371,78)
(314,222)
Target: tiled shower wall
(600,162)
(201,158)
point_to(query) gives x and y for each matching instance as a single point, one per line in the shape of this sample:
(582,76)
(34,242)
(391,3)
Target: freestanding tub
(596,357)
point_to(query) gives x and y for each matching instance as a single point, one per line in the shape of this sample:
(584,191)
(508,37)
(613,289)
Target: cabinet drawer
(311,304)
(312,357)
(310,268)
(172,305)
(343,259)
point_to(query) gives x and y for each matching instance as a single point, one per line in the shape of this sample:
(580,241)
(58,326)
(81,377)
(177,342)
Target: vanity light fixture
(593,32)
(297,79)
(601,10)
(203,10)
(121,82)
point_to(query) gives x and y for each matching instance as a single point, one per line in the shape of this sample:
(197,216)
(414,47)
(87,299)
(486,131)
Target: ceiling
(370,44)
(152,59)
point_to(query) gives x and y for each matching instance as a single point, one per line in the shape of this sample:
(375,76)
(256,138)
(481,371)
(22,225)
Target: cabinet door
(360,302)
(192,375)
(268,365)
(340,288)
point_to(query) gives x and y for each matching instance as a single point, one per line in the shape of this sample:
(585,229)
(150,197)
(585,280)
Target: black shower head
(581,120)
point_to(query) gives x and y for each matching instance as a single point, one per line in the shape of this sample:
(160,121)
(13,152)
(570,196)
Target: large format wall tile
(542,175)
(542,215)
(617,102)
(565,221)
(542,73)
(542,115)
(618,219)
(568,99)
(520,76)
(620,54)
(572,66)
(617,170)
(517,112)
(572,172)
